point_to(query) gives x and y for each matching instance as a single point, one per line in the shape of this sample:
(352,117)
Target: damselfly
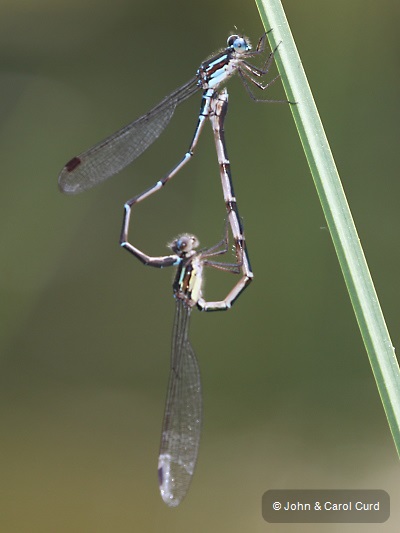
(181,427)
(119,150)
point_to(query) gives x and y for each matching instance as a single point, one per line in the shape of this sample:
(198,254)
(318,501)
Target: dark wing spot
(71,165)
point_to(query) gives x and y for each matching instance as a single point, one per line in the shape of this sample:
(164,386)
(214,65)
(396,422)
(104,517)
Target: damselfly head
(184,244)
(239,43)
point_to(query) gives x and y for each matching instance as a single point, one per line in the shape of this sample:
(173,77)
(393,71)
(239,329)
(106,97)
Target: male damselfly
(114,153)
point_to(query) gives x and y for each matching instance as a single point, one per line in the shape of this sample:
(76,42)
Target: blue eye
(239,44)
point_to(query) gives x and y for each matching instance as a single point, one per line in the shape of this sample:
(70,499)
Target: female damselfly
(180,435)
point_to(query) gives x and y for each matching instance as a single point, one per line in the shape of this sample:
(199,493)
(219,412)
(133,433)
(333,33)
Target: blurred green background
(290,401)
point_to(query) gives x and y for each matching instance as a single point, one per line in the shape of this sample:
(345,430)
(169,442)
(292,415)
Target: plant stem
(334,204)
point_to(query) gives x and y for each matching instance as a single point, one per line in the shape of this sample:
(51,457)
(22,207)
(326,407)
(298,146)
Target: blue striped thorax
(222,66)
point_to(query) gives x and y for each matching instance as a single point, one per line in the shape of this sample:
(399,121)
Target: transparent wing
(119,150)
(183,415)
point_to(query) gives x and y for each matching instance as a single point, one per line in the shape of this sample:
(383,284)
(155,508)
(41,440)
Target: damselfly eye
(239,44)
(184,244)
(232,39)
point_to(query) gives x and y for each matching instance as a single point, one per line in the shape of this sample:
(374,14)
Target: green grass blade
(340,222)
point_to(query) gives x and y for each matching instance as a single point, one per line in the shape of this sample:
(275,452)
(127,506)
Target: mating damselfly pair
(183,411)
